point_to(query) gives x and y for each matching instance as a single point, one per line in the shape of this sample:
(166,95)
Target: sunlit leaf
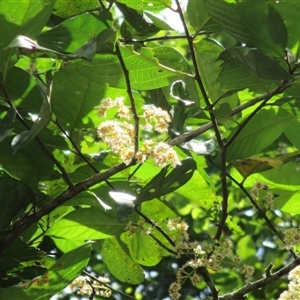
(119,262)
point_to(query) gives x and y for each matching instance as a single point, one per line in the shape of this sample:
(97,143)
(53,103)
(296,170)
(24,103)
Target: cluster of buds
(120,134)
(293,291)
(265,198)
(214,257)
(142,226)
(291,237)
(85,286)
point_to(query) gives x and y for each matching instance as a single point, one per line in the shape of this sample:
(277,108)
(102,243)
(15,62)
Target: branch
(62,198)
(261,212)
(78,151)
(195,133)
(250,287)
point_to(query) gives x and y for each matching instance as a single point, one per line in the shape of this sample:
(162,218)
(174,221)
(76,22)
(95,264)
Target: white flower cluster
(85,286)
(119,135)
(293,292)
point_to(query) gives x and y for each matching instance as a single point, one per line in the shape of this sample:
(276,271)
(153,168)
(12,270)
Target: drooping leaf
(6,122)
(180,93)
(252,165)
(21,252)
(124,204)
(43,118)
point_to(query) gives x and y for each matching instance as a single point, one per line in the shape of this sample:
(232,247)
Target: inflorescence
(120,134)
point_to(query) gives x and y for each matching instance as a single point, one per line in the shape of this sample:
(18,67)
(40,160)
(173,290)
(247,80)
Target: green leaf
(246,250)
(199,17)
(13,292)
(143,248)
(71,34)
(26,17)
(6,122)
(24,94)
(15,198)
(158,22)
(21,252)
(82,100)
(206,52)
(262,130)
(43,118)
(289,11)
(164,183)
(152,68)
(254,23)
(134,25)
(235,76)
(234,227)
(67,9)
(120,264)
(261,64)
(62,273)
(287,201)
(30,164)
(146,4)
(292,132)
(192,188)
(86,224)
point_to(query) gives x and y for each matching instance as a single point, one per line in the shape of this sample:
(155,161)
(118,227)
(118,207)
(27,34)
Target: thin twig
(154,225)
(261,212)
(130,95)
(213,122)
(78,152)
(195,133)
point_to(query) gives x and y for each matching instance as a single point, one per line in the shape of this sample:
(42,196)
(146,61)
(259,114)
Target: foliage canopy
(164,159)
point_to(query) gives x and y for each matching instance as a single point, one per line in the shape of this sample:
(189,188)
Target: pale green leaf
(86,224)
